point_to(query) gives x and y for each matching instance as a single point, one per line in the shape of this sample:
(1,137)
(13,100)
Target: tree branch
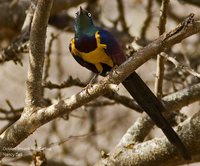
(157,151)
(36,53)
(182,98)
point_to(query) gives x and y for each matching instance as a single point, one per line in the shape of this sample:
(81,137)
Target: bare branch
(180,66)
(160,59)
(157,151)
(37,50)
(65,84)
(124,100)
(47,57)
(182,98)
(122,16)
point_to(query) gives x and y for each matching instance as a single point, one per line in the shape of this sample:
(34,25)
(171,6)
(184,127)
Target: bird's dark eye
(89,15)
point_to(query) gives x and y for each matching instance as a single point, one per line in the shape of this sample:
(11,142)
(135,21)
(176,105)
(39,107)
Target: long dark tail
(153,107)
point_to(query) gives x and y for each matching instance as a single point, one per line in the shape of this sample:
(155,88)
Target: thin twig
(59,65)
(122,16)
(47,57)
(180,66)
(160,59)
(147,21)
(65,84)
(124,100)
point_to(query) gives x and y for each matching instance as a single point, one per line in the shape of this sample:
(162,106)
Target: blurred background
(81,138)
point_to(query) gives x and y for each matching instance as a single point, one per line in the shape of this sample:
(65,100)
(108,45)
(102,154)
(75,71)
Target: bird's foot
(91,82)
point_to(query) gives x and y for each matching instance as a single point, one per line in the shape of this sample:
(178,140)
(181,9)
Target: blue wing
(113,49)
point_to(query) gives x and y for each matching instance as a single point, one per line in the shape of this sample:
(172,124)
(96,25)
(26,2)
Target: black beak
(81,10)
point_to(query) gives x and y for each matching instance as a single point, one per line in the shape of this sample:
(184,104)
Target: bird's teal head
(83,23)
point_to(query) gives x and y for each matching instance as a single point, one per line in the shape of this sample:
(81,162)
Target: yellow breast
(96,57)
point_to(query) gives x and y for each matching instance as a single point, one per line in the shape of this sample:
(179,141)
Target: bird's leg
(93,79)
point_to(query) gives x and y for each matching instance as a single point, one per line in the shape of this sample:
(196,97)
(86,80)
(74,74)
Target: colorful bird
(98,50)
